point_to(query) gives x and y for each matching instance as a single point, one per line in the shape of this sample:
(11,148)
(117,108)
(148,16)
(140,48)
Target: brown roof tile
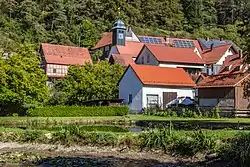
(122,59)
(66,55)
(223,80)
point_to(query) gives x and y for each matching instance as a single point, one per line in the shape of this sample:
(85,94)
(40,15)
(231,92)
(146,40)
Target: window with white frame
(152,100)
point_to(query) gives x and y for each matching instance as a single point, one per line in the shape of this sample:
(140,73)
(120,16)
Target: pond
(139,126)
(88,128)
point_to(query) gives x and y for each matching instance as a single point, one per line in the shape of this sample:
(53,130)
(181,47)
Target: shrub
(216,113)
(78,111)
(237,153)
(193,143)
(189,113)
(30,136)
(159,138)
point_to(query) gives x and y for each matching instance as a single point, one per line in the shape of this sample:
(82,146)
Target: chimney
(207,39)
(129,29)
(167,40)
(211,47)
(240,53)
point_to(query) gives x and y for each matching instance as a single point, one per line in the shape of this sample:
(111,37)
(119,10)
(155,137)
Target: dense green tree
(199,13)
(77,22)
(90,82)
(22,80)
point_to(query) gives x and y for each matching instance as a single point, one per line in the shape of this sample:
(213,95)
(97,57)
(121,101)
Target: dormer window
(237,68)
(226,68)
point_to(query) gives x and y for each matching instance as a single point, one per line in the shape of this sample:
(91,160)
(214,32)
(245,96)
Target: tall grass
(162,138)
(168,139)
(237,151)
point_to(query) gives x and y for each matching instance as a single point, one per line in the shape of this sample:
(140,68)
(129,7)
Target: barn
(225,91)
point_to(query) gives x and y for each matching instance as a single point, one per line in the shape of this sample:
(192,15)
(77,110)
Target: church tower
(119,33)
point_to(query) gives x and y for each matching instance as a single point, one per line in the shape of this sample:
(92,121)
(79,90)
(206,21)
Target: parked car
(182,102)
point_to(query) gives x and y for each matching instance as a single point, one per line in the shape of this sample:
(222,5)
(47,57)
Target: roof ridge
(64,45)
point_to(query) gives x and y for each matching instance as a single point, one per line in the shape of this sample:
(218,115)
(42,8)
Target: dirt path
(47,155)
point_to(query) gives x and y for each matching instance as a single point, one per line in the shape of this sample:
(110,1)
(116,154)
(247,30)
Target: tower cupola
(119,33)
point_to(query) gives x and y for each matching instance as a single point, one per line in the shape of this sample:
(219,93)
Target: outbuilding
(146,86)
(225,91)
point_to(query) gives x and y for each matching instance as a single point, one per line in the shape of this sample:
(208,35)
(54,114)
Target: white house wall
(55,70)
(144,56)
(227,53)
(130,84)
(133,38)
(159,91)
(180,66)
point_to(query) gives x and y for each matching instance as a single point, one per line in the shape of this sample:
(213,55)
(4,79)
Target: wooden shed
(225,91)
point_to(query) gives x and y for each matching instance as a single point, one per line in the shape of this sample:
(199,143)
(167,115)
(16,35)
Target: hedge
(77,111)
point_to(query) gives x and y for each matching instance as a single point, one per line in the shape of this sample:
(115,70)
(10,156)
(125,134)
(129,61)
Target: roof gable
(162,76)
(66,55)
(214,55)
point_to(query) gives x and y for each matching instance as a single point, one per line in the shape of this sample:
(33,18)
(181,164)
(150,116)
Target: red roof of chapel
(104,41)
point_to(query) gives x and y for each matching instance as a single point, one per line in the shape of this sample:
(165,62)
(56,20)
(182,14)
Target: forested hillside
(81,22)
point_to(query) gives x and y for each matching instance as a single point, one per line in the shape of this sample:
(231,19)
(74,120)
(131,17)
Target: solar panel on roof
(150,40)
(183,44)
(208,44)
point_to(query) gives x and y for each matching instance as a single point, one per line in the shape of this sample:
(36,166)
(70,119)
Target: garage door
(167,97)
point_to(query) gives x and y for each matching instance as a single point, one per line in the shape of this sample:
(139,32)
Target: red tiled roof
(233,62)
(66,55)
(223,80)
(122,59)
(130,48)
(177,55)
(212,57)
(162,76)
(104,41)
